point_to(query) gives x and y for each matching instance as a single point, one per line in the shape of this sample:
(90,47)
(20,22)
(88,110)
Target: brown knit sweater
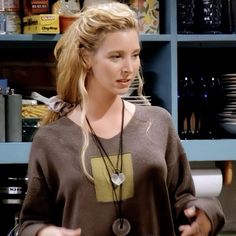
(157,188)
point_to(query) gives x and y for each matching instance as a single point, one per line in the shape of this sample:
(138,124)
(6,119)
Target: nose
(128,66)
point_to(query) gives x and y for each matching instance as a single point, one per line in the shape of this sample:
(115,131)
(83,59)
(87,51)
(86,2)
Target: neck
(105,117)
(102,108)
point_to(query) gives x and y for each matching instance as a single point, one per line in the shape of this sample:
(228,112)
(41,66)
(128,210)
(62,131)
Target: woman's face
(115,64)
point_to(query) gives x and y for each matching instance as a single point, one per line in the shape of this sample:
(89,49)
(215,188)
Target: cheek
(111,68)
(99,67)
(104,71)
(105,65)
(137,66)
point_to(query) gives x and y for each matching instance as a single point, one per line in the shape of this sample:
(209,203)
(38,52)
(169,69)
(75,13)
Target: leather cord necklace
(121,226)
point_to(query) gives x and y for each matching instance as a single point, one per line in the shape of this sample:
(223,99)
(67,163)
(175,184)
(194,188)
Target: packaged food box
(41,24)
(34,111)
(32,7)
(39,6)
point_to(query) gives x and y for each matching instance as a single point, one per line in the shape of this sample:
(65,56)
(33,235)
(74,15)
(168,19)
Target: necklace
(120,226)
(117,177)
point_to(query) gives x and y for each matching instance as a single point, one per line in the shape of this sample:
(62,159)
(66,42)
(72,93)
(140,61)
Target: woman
(103,166)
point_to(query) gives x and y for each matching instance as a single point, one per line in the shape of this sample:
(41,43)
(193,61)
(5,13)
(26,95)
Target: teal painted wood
(14,153)
(210,150)
(196,150)
(29,37)
(28,41)
(206,38)
(155,37)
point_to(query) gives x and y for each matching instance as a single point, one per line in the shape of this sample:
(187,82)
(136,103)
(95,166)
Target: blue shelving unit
(14,153)
(160,58)
(196,150)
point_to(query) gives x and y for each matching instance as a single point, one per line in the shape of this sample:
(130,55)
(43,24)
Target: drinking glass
(209,16)
(185,16)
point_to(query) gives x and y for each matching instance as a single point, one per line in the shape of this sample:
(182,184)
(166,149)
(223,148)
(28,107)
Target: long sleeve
(35,210)
(181,186)
(60,194)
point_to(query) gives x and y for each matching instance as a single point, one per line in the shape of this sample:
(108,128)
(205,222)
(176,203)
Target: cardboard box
(41,24)
(39,6)
(33,7)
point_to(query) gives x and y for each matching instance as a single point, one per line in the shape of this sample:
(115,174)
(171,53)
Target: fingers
(77,232)
(190,230)
(200,226)
(58,231)
(190,212)
(70,232)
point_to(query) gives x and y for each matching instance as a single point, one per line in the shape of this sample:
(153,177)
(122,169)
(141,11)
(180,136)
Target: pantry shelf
(28,40)
(196,150)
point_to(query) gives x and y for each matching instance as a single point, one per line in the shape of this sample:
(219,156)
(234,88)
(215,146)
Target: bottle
(67,11)
(2,117)
(13,117)
(63,7)
(185,16)
(209,16)
(185,107)
(214,102)
(88,3)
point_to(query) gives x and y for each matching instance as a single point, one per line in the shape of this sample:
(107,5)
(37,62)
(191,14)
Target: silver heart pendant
(117,178)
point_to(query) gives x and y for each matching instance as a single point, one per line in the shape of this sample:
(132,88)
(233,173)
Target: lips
(123,81)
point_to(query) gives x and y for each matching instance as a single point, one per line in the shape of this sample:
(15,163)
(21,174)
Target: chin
(123,92)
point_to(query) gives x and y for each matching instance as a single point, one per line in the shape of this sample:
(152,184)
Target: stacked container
(10,21)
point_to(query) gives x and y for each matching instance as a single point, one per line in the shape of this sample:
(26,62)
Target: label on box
(39,6)
(41,24)
(11,5)
(3,86)
(13,23)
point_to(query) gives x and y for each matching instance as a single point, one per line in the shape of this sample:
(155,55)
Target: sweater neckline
(126,127)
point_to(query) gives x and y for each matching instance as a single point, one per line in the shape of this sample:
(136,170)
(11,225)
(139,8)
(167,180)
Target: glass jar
(88,3)
(209,16)
(185,16)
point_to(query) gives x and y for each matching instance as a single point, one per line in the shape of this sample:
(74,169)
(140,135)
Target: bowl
(29,128)
(65,21)
(230,127)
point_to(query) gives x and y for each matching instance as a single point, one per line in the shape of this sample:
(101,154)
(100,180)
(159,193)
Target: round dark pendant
(121,227)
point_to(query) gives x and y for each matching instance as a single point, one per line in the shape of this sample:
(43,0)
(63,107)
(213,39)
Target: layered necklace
(120,226)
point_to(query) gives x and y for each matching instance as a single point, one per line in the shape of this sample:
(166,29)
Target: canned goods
(11,5)
(13,23)
(2,23)
(2,8)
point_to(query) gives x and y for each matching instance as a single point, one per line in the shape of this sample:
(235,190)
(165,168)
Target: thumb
(190,212)
(77,232)
(71,232)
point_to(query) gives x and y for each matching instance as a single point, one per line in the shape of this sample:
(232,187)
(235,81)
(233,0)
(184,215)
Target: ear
(87,57)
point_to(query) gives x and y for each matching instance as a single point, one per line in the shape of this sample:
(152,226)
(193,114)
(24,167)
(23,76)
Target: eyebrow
(121,51)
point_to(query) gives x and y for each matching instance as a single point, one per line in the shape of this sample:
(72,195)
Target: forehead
(120,40)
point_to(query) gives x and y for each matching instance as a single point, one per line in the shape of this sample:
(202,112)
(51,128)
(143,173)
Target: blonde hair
(87,32)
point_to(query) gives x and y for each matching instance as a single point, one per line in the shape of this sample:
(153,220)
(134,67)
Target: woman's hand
(58,231)
(201,226)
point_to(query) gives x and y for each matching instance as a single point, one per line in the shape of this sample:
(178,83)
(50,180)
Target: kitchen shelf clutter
(168,57)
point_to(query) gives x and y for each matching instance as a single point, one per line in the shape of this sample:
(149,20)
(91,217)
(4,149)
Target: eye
(136,55)
(115,57)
